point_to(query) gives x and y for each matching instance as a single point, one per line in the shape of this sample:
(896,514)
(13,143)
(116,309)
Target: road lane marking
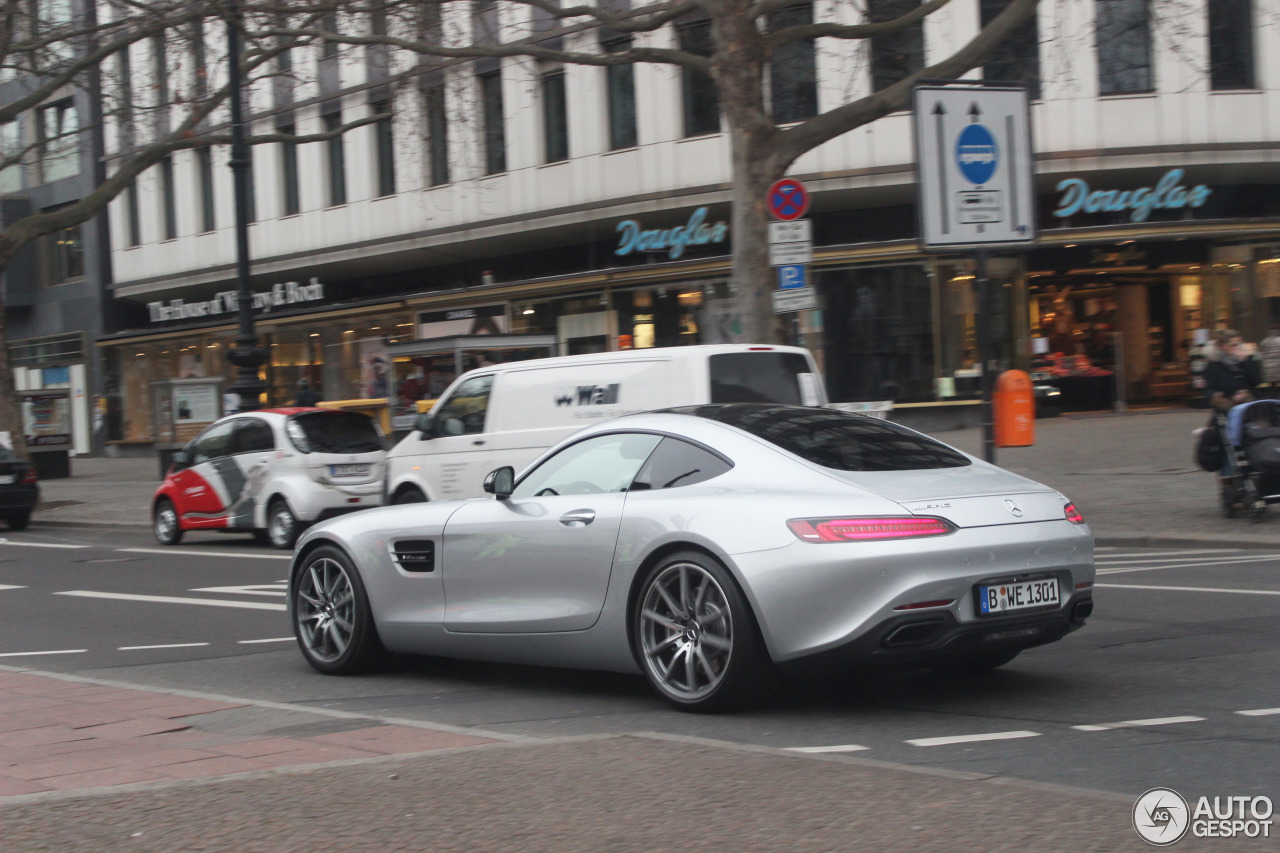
(1260,712)
(1134,724)
(4,541)
(184,552)
(10,586)
(1185,565)
(944,741)
(275,589)
(169,599)
(1187,588)
(815,750)
(53,652)
(1197,552)
(161,646)
(268,640)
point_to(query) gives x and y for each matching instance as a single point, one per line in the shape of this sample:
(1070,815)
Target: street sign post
(790,242)
(792,276)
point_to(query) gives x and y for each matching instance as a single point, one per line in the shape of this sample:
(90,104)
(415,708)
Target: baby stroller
(1251,436)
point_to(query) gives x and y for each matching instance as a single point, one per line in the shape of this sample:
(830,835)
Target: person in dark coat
(1231,377)
(307,396)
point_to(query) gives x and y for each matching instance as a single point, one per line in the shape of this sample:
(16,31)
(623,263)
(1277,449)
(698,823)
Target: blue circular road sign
(976,154)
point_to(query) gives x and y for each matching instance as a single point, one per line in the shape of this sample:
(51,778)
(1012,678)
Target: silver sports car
(702,546)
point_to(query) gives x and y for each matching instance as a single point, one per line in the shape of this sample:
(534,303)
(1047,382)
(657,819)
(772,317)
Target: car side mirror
(422,424)
(501,483)
(181,459)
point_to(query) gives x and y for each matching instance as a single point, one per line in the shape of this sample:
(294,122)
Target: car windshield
(837,440)
(337,432)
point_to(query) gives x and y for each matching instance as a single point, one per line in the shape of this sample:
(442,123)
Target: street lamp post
(247,356)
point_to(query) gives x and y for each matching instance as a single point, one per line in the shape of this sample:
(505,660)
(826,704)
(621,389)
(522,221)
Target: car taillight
(862,529)
(1073,514)
(29,478)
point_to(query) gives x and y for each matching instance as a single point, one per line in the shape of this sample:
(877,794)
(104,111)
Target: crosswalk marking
(170,599)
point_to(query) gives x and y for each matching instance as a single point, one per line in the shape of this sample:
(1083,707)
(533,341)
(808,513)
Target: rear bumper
(20,497)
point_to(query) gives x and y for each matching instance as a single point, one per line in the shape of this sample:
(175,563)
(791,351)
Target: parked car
(19,489)
(703,545)
(508,414)
(271,472)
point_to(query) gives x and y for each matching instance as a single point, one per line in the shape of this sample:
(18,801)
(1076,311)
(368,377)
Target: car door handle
(578,517)
(479,442)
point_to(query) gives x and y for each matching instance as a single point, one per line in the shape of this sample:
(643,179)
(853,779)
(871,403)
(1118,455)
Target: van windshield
(763,377)
(335,432)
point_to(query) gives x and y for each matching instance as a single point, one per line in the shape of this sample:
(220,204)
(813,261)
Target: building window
(329,47)
(159,70)
(621,88)
(701,101)
(199,62)
(899,55)
(10,152)
(59,141)
(793,71)
(291,198)
(385,146)
(125,88)
(336,160)
(1017,58)
(495,137)
(250,195)
(61,257)
(1123,32)
(555,118)
(1231,44)
(437,135)
(204,169)
(168,201)
(132,222)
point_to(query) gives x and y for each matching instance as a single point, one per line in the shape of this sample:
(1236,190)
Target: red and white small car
(272,472)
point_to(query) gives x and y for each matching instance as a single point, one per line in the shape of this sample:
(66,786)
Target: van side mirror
(500,483)
(422,424)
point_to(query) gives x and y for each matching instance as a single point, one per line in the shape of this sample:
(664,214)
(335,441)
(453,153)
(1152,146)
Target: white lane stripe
(162,646)
(1260,712)
(173,552)
(168,599)
(1187,588)
(943,741)
(10,586)
(1144,555)
(273,589)
(55,652)
(268,640)
(1133,724)
(815,750)
(1226,561)
(4,541)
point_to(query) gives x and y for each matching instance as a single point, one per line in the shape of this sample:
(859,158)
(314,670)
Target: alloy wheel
(325,609)
(686,631)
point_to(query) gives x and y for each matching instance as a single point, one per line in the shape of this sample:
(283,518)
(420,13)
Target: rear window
(334,432)
(838,440)
(7,455)
(763,377)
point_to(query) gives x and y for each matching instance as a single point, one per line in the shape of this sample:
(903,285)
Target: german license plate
(1008,597)
(349,470)
(6,479)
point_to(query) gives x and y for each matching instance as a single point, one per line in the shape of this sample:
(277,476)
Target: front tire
(165,524)
(282,525)
(19,520)
(409,495)
(331,616)
(695,636)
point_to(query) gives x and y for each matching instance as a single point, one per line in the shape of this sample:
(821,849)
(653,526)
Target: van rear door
(765,375)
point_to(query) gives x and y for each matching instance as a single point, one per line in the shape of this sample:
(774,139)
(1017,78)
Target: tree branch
(788,35)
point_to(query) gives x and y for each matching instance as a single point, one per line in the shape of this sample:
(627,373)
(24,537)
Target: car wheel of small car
(282,526)
(695,636)
(165,523)
(19,520)
(409,495)
(331,615)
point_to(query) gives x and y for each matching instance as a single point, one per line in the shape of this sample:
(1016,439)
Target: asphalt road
(1172,683)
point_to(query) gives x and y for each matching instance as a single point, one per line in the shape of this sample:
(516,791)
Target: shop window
(555,118)
(621,90)
(495,137)
(701,100)
(1123,37)
(335,159)
(898,55)
(1016,59)
(1231,50)
(59,141)
(793,71)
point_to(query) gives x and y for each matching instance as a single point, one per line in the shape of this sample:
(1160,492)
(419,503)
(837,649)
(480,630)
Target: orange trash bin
(1014,406)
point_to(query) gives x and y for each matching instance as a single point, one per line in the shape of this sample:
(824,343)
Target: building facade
(576,209)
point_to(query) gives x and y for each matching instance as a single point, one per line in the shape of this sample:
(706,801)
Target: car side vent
(415,555)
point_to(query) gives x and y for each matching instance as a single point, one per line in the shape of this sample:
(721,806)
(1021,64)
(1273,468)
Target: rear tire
(409,495)
(331,616)
(19,520)
(282,525)
(165,524)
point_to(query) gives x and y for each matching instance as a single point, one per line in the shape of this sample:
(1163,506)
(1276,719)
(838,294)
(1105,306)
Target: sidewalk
(1131,475)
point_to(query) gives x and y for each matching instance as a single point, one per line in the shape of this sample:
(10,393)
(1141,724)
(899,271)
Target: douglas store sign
(1169,193)
(697,232)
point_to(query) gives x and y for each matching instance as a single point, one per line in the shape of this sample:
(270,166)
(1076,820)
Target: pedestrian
(1231,375)
(1269,352)
(307,396)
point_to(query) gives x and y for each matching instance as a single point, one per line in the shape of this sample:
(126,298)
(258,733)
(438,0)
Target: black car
(19,491)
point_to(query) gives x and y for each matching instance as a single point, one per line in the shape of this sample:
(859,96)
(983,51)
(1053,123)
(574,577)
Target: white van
(508,414)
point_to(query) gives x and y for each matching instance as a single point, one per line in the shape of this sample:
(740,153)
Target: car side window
(678,463)
(253,435)
(215,442)
(463,413)
(604,463)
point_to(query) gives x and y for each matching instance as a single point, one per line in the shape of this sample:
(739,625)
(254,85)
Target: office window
(385,149)
(10,150)
(132,221)
(897,56)
(59,141)
(555,118)
(168,202)
(329,47)
(793,71)
(1231,27)
(495,136)
(621,90)
(336,160)
(159,70)
(437,135)
(125,85)
(61,257)
(199,60)
(204,169)
(290,195)
(53,20)
(1017,58)
(701,101)
(250,194)
(1123,33)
